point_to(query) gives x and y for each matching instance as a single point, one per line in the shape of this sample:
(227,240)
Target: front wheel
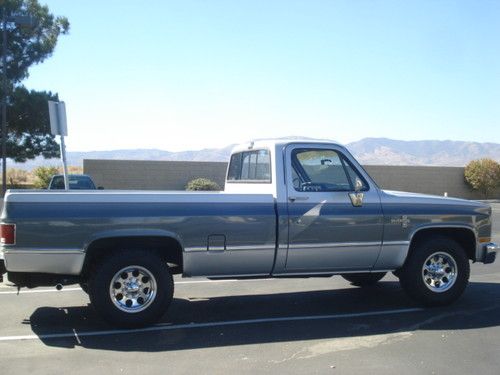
(131,288)
(364,279)
(436,272)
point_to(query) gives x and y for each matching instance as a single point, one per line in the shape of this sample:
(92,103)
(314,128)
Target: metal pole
(65,167)
(4,102)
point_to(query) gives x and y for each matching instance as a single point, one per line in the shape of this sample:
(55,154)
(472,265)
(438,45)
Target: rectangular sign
(57,115)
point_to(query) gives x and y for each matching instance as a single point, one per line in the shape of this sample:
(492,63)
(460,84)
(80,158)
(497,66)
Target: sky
(182,75)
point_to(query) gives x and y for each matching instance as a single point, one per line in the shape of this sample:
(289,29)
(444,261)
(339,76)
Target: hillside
(380,151)
(383,151)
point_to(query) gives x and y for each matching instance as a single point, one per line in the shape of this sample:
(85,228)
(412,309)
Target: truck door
(331,228)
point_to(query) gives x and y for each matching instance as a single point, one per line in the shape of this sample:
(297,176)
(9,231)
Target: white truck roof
(273,143)
(276,186)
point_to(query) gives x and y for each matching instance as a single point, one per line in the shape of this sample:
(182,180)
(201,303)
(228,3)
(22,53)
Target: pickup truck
(75,181)
(289,209)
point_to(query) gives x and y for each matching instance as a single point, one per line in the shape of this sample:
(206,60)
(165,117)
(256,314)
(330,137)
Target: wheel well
(465,237)
(169,250)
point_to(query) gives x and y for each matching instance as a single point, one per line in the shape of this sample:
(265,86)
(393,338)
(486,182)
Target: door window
(319,170)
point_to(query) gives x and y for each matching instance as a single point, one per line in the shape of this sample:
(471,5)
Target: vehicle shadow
(478,308)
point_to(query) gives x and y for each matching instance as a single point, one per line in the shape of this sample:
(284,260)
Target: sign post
(59,126)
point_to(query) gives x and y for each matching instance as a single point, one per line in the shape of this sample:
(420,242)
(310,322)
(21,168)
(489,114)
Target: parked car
(76,182)
(289,209)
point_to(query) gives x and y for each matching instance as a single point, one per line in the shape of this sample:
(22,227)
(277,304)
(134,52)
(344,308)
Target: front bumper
(490,252)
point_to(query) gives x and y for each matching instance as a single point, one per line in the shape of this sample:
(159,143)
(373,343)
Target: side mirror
(357,196)
(358,185)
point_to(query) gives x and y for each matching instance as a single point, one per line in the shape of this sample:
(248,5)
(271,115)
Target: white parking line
(54,290)
(169,327)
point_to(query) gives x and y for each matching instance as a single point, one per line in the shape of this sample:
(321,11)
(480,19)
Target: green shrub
(483,175)
(43,176)
(202,184)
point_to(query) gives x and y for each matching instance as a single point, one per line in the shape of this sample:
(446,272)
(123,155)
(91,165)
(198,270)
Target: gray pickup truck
(289,209)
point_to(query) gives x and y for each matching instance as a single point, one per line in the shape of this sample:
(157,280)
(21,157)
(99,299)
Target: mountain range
(375,151)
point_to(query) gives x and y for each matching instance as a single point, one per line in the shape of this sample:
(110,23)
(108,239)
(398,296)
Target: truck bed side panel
(219,233)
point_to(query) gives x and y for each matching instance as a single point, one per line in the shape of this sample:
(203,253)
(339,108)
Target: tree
(28,124)
(483,175)
(30,45)
(43,176)
(203,184)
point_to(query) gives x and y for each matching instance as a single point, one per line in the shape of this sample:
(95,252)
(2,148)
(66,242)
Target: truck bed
(219,232)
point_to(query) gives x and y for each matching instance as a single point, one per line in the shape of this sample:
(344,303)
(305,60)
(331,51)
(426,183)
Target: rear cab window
(250,166)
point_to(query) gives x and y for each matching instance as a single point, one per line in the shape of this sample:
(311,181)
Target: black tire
(364,279)
(423,285)
(159,281)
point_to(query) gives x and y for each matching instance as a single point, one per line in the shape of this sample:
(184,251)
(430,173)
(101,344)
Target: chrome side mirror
(357,196)
(358,185)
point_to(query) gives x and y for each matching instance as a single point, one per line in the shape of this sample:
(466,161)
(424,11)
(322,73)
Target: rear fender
(121,233)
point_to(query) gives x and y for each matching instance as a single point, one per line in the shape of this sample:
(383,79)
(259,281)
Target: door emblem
(403,220)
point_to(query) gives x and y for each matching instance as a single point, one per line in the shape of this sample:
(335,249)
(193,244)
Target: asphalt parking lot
(293,326)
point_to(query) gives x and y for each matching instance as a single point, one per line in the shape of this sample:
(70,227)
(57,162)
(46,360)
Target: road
(293,326)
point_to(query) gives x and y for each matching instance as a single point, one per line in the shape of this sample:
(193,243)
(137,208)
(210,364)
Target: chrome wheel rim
(439,272)
(133,289)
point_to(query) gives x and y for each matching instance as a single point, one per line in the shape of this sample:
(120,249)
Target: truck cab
(331,224)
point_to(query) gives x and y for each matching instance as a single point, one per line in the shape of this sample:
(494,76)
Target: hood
(405,198)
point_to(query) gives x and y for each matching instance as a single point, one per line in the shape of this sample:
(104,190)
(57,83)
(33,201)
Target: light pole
(24,21)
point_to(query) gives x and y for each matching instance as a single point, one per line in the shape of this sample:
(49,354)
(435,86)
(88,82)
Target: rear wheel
(364,279)
(131,288)
(436,272)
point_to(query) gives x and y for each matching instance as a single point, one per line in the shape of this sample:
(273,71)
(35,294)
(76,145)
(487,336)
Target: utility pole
(4,101)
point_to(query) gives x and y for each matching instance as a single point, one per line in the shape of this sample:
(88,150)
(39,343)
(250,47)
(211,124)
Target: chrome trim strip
(196,248)
(232,248)
(333,272)
(376,270)
(334,244)
(214,277)
(303,246)
(395,243)
(42,251)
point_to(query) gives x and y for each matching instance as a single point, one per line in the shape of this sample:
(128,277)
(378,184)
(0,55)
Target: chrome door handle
(294,198)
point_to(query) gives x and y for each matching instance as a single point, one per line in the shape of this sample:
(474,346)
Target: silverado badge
(403,220)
